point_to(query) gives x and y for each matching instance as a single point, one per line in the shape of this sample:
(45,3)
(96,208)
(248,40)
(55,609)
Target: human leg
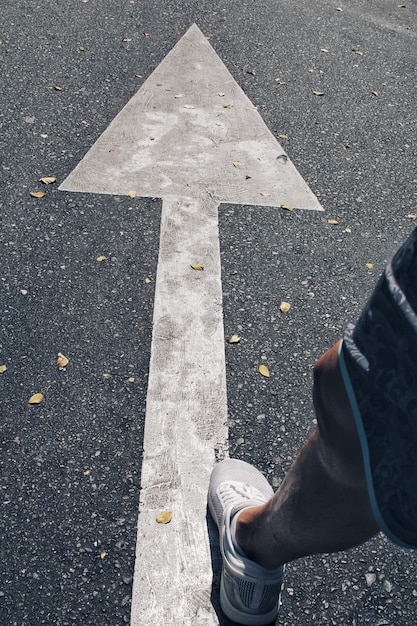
(322,504)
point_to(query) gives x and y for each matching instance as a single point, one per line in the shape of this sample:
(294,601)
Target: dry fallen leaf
(148,280)
(332,222)
(132,193)
(375,93)
(101,258)
(236,164)
(180,95)
(412,216)
(283,136)
(233,339)
(358,52)
(106,375)
(188,106)
(228,106)
(264,371)
(103,554)
(48,180)
(37,194)
(284,306)
(287,207)
(370,266)
(197,266)
(36,398)
(3,368)
(318,93)
(348,230)
(164,518)
(265,194)
(62,361)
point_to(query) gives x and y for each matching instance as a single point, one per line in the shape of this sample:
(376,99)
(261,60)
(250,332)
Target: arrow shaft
(186,413)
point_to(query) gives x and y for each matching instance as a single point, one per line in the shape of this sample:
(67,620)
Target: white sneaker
(249,593)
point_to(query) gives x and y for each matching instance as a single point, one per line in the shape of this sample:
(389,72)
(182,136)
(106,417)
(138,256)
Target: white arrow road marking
(192,137)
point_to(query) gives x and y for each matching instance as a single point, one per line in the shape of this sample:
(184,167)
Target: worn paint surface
(192,137)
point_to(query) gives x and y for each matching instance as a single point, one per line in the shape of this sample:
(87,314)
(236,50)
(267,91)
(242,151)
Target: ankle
(250,537)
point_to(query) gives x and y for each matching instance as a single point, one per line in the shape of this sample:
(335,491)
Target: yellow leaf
(106,375)
(332,222)
(132,193)
(58,88)
(101,258)
(152,138)
(318,93)
(197,267)
(62,360)
(233,339)
(37,194)
(103,554)
(370,266)
(148,280)
(283,136)
(3,368)
(236,164)
(36,398)
(164,518)
(48,180)
(284,306)
(348,230)
(287,207)
(264,371)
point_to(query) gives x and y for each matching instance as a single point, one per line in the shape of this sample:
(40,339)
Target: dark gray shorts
(378,360)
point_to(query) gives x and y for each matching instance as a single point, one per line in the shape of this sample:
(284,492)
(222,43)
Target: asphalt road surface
(71,466)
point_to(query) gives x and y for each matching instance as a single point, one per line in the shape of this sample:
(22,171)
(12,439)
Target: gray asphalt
(70,467)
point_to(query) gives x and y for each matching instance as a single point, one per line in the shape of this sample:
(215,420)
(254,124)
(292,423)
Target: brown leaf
(62,361)
(264,371)
(37,398)
(164,517)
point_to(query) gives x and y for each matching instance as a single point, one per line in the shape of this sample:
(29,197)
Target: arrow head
(191,131)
